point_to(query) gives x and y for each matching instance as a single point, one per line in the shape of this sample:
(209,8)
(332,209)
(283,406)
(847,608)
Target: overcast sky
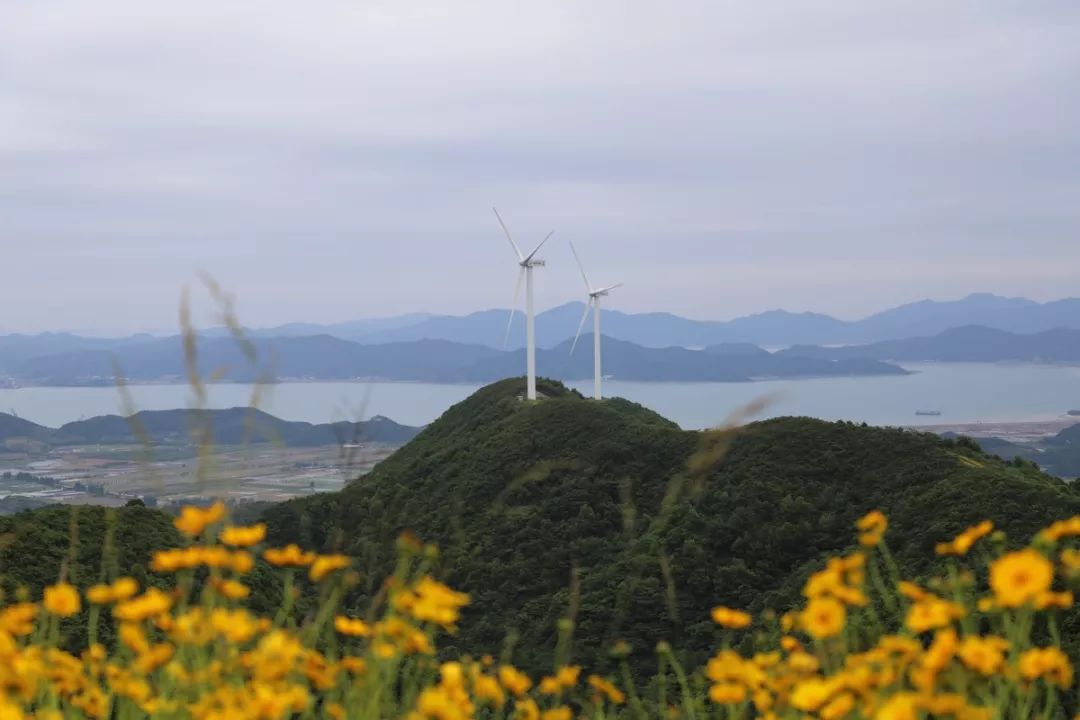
(333,160)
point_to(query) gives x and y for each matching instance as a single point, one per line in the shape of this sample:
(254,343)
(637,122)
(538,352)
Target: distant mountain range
(962,344)
(650,346)
(234,426)
(323,357)
(774,328)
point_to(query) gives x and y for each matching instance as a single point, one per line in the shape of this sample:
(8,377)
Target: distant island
(229,427)
(971,343)
(324,357)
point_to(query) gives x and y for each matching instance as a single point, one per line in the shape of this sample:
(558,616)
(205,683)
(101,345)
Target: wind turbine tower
(526,263)
(593,304)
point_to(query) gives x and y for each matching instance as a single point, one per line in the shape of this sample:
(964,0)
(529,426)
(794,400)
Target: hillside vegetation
(523,497)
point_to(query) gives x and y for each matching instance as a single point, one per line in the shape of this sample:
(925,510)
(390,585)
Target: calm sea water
(964,393)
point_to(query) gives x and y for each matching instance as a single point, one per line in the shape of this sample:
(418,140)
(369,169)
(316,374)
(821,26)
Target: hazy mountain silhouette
(322,357)
(972,343)
(773,328)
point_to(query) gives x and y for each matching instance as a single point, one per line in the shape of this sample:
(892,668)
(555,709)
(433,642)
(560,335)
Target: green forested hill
(521,495)
(35,543)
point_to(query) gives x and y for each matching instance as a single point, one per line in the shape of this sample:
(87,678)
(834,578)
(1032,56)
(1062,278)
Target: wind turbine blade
(588,307)
(531,255)
(609,288)
(513,307)
(517,250)
(588,286)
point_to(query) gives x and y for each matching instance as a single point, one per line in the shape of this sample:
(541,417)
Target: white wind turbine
(593,304)
(526,263)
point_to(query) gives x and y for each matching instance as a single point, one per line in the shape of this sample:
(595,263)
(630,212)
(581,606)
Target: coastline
(1023,431)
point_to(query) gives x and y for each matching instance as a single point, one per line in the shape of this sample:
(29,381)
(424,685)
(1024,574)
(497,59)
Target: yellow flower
(243,536)
(985,655)
(932,613)
(607,689)
(803,663)
(133,637)
(515,681)
(18,619)
(289,556)
(1050,663)
(324,565)
(873,526)
(839,707)
(431,601)
(833,581)
(963,542)
(727,693)
(560,713)
(937,656)
(1062,529)
(901,706)
(487,690)
(241,562)
(231,589)
(549,686)
(351,627)
(1059,600)
(1020,577)
(124,588)
(193,520)
(811,694)
(565,677)
(526,709)
(729,618)
(912,591)
(824,617)
(99,594)
(62,600)
(730,667)
(568,675)
(150,604)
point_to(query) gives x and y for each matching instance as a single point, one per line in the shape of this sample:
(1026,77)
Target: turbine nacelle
(603,292)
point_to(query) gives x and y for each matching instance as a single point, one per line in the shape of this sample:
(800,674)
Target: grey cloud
(340,159)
